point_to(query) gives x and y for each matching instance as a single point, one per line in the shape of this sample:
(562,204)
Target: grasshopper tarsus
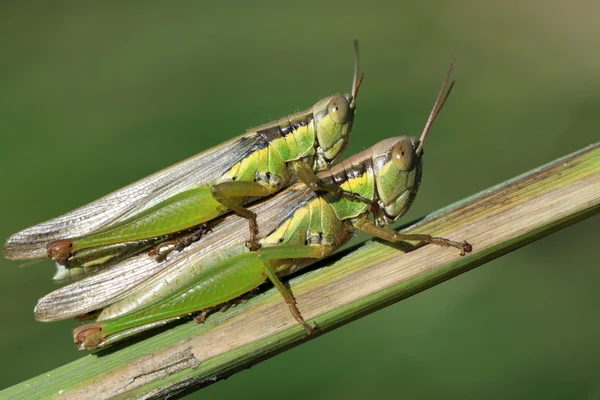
(160,251)
(311,328)
(463,246)
(201,318)
(466,248)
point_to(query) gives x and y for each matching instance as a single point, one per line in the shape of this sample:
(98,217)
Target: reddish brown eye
(339,109)
(403,154)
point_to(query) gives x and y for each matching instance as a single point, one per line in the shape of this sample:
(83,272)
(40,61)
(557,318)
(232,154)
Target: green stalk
(342,288)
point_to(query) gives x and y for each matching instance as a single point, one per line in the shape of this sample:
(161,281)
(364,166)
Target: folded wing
(193,172)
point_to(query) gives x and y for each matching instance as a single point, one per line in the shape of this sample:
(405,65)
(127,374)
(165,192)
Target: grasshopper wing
(127,277)
(193,172)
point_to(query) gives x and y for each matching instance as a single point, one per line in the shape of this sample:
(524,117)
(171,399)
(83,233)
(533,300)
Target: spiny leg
(289,252)
(310,179)
(244,298)
(229,193)
(366,225)
(289,299)
(162,250)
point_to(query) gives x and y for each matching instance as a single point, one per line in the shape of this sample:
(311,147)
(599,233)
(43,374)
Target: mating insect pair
(303,223)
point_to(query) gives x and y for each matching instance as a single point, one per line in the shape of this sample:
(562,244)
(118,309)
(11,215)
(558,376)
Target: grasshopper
(176,202)
(297,227)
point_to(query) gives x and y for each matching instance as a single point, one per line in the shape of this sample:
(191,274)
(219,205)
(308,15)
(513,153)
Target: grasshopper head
(333,123)
(333,118)
(398,165)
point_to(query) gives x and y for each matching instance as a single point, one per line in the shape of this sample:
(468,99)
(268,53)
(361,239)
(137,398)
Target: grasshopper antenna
(437,106)
(31,262)
(357,80)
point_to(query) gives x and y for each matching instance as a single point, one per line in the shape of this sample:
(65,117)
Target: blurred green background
(95,96)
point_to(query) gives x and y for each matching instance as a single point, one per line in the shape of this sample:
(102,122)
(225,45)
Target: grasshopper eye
(339,109)
(403,154)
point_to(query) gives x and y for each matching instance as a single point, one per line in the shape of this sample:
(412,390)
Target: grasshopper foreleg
(310,179)
(366,225)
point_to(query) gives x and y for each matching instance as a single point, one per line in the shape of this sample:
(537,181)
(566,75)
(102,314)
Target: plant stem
(338,290)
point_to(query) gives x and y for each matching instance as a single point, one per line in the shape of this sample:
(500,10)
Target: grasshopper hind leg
(289,299)
(286,252)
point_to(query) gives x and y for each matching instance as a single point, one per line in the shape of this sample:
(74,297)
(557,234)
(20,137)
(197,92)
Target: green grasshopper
(181,198)
(297,227)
